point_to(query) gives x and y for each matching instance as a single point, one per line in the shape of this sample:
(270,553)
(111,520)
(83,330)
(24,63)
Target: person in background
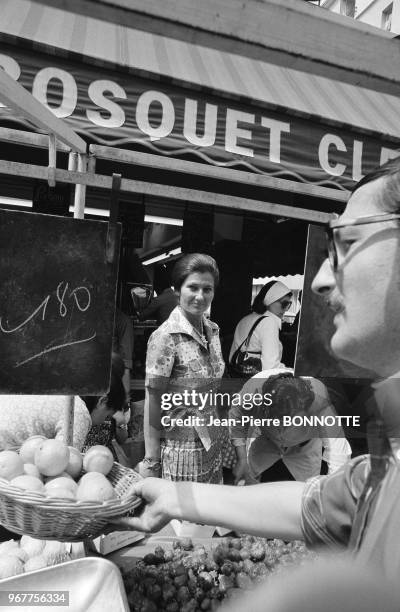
(261,451)
(23,416)
(184,354)
(269,306)
(161,306)
(114,425)
(288,336)
(123,342)
(357,508)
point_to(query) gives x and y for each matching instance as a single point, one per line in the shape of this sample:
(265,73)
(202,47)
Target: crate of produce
(180,575)
(30,554)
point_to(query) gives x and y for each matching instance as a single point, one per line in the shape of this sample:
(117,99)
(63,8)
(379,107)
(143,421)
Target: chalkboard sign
(57,304)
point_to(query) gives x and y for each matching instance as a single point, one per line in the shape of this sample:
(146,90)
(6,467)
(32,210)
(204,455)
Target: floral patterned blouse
(179,359)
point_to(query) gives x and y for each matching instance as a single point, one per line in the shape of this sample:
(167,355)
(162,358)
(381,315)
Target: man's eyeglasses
(337,224)
(286,304)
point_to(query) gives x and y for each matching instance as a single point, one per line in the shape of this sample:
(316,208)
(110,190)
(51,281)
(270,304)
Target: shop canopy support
(167,191)
(214,172)
(13,95)
(81,173)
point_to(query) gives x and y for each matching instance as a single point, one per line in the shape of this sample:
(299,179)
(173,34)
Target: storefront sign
(124,110)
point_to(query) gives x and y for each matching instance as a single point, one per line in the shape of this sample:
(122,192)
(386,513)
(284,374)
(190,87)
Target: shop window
(348,8)
(387,17)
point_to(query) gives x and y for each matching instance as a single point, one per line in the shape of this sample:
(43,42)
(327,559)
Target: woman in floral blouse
(184,364)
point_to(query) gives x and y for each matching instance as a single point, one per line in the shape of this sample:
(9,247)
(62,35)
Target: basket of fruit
(49,490)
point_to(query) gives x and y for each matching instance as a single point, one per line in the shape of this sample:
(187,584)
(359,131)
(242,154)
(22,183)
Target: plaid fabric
(229,454)
(380,452)
(337,509)
(188,460)
(313,524)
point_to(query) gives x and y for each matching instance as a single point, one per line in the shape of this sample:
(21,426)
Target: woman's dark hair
(289,395)
(194,262)
(116,397)
(258,305)
(389,199)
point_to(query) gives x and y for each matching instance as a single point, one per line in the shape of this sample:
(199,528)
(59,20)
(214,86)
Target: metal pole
(80,190)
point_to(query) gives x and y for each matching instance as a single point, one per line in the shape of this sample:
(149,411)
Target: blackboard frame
(57,304)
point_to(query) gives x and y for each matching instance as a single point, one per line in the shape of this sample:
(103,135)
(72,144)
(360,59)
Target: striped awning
(279,86)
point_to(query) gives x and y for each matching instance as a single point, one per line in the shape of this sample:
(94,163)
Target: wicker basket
(30,513)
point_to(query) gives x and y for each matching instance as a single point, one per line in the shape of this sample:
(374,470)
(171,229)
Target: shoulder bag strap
(247,339)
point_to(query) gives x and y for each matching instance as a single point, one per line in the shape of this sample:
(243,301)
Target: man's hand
(157,495)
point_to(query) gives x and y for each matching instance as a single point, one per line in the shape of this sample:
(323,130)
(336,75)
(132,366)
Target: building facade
(384,14)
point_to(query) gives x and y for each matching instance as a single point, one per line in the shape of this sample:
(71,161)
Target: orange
(52,457)
(74,467)
(30,483)
(95,489)
(11,465)
(28,448)
(98,459)
(62,482)
(32,470)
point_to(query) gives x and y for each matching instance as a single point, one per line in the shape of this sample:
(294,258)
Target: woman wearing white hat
(262,326)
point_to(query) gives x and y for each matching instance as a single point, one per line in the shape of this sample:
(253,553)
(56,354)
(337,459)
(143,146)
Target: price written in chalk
(66,300)
(58,295)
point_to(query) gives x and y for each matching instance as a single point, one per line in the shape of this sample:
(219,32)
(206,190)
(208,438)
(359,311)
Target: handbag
(242,364)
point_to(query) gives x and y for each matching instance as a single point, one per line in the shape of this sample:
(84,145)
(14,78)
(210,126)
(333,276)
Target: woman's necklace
(201,333)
